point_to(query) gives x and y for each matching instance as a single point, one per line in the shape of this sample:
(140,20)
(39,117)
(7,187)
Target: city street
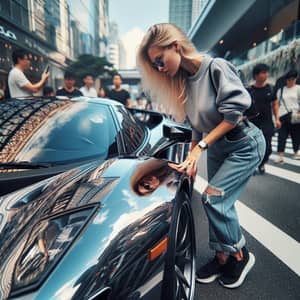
(269,214)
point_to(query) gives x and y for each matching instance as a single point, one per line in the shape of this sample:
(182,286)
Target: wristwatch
(203,145)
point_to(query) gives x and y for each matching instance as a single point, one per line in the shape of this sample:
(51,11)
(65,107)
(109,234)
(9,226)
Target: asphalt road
(269,212)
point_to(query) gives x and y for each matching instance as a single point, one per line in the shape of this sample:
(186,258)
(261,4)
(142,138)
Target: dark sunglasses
(158,63)
(145,185)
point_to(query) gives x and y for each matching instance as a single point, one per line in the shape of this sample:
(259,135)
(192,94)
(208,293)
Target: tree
(89,64)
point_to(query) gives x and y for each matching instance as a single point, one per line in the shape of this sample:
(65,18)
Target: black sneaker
(210,272)
(235,272)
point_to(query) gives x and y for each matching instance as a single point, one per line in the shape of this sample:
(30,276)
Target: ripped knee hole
(212,191)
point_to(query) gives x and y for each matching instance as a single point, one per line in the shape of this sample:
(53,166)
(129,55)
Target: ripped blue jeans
(230,165)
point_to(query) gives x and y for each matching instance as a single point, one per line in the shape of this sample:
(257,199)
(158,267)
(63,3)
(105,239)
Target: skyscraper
(180,13)
(197,8)
(184,13)
(113,44)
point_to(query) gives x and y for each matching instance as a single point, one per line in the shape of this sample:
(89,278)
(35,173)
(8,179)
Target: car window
(80,131)
(133,132)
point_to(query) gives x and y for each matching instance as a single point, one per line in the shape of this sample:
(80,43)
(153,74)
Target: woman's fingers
(192,171)
(183,167)
(173,166)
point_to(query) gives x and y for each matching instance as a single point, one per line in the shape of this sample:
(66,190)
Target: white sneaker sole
(243,275)
(208,279)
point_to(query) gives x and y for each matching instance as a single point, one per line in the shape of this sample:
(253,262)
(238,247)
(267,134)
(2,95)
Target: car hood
(106,199)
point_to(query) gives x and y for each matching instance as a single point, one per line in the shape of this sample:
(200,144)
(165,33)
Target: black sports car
(89,207)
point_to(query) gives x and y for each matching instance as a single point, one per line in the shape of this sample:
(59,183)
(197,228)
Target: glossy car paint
(108,251)
(111,251)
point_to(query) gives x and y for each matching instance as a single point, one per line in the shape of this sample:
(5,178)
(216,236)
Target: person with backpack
(264,105)
(289,104)
(209,93)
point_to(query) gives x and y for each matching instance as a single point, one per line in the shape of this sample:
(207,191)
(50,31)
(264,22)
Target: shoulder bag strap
(211,77)
(282,100)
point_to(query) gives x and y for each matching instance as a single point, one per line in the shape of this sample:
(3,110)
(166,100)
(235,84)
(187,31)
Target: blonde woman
(209,93)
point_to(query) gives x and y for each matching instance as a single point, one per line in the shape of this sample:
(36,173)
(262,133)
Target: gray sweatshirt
(208,103)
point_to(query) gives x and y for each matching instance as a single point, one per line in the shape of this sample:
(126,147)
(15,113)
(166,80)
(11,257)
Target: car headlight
(46,244)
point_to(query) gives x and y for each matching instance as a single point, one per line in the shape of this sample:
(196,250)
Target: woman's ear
(176,45)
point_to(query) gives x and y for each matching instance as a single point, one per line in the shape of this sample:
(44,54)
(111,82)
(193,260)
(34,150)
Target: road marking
(279,243)
(287,150)
(275,240)
(288,146)
(288,160)
(282,173)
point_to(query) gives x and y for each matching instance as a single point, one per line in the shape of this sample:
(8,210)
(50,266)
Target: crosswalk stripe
(288,151)
(288,145)
(287,160)
(275,240)
(282,173)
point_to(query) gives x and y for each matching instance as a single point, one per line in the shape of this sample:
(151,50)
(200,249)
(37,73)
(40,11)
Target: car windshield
(78,130)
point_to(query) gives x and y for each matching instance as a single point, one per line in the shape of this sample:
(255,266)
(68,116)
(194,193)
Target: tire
(180,263)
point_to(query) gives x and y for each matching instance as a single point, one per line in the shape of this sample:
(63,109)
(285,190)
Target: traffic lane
(276,200)
(269,279)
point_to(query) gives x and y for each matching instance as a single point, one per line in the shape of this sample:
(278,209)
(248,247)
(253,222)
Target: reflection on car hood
(108,188)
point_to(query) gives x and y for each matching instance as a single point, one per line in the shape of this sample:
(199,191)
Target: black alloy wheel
(180,264)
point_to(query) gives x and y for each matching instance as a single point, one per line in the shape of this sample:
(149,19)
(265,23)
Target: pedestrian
(264,101)
(88,89)
(289,101)
(69,89)
(140,103)
(19,85)
(103,92)
(118,93)
(148,104)
(210,94)
(48,91)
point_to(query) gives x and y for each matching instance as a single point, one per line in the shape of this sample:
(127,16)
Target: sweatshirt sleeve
(196,135)
(232,97)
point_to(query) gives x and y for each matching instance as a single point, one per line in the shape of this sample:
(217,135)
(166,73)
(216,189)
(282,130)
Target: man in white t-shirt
(19,85)
(88,89)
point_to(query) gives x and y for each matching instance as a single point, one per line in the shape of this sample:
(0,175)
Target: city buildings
(180,13)
(54,32)
(113,44)
(183,13)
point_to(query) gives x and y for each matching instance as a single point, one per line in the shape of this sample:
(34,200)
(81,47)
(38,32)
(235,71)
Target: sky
(134,17)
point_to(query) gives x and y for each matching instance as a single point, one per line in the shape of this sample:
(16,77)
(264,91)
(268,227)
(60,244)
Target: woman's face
(165,59)
(290,82)
(148,184)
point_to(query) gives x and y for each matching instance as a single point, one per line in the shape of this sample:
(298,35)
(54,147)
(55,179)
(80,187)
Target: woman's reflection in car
(149,175)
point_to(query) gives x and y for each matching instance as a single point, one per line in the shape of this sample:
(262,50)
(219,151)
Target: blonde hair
(166,90)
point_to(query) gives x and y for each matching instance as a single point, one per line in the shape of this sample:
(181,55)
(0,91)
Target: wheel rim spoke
(182,251)
(183,244)
(181,277)
(181,291)
(183,260)
(183,237)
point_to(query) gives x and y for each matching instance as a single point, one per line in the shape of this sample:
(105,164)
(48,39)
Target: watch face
(202,145)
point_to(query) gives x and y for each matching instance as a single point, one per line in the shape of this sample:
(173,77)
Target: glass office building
(53,32)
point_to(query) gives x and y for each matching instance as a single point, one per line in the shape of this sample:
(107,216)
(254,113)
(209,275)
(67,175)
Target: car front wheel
(179,271)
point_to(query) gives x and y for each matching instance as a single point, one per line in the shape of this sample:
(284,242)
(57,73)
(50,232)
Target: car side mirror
(179,134)
(150,119)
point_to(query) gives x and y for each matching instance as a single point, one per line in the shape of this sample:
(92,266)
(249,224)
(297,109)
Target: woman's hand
(278,123)
(189,166)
